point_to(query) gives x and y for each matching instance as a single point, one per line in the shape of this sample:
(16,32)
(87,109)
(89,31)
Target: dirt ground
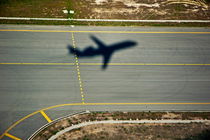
(164,131)
(139,132)
(142,9)
(33,8)
(108,9)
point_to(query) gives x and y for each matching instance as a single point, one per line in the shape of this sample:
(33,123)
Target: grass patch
(192,130)
(33,8)
(207,1)
(84,9)
(82,23)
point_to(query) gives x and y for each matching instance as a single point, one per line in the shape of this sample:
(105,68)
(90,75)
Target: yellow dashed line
(128,32)
(78,71)
(11,136)
(45,116)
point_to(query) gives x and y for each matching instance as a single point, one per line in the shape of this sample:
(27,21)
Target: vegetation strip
(78,122)
(103,20)
(123,121)
(100,23)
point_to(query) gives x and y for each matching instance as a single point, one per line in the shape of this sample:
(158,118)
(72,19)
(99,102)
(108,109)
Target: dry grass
(103,9)
(111,9)
(33,8)
(53,129)
(139,132)
(142,9)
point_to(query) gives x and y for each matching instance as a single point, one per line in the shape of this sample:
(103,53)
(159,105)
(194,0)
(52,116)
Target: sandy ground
(138,131)
(109,9)
(147,9)
(131,131)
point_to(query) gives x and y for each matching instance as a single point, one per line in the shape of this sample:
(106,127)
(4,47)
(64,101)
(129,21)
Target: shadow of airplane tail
(71,49)
(74,51)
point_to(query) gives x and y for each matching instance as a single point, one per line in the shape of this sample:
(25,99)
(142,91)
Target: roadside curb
(53,122)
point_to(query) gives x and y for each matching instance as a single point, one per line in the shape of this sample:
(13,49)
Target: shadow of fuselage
(104,50)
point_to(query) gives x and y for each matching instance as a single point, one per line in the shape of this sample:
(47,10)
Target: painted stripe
(111,64)
(80,104)
(127,32)
(11,136)
(38,64)
(144,64)
(78,70)
(17,122)
(45,116)
(147,103)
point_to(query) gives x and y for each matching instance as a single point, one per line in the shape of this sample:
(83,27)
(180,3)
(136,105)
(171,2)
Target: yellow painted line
(144,64)
(78,70)
(45,116)
(19,121)
(111,64)
(147,103)
(37,64)
(127,32)
(80,104)
(11,136)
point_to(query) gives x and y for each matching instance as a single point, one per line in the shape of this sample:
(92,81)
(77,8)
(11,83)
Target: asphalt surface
(25,88)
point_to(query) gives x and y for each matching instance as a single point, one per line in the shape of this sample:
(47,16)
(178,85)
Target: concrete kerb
(106,20)
(55,121)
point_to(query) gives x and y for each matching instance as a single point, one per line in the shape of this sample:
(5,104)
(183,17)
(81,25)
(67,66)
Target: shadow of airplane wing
(98,42)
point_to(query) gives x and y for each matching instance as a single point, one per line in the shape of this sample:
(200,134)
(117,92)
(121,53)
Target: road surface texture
(168,69)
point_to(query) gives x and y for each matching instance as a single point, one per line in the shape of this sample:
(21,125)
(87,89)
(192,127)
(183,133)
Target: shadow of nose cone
(128,44)
(71,50)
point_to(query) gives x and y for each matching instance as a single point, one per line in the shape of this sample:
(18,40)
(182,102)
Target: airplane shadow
(106,51)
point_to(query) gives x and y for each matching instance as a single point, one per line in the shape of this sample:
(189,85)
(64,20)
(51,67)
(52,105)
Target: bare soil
(142,9)
(164,131)
(139,132)
(33,8)
(107,9)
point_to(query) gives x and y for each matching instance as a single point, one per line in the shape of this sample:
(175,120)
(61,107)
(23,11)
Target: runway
(168,69)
